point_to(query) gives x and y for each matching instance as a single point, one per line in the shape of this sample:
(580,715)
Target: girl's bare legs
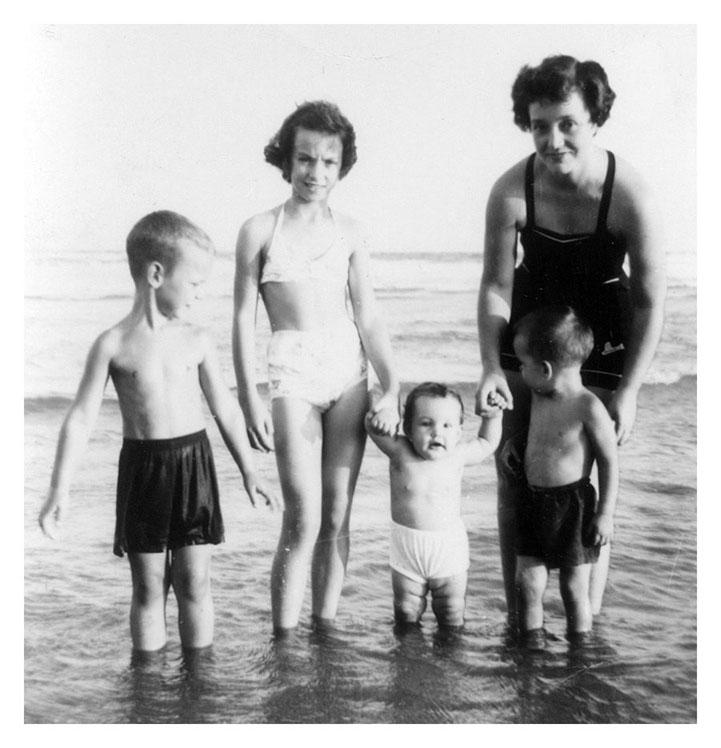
(190,576)
(409,598)
(298,449)
(344,438)
(151,581)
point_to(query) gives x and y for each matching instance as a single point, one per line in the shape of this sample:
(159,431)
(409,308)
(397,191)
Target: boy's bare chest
(164,362)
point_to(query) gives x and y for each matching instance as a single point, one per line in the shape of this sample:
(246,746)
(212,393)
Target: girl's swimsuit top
(287,264)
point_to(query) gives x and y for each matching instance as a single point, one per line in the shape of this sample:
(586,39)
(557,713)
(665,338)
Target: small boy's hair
(154,238)
(426,389)
(556,334)
(317,116)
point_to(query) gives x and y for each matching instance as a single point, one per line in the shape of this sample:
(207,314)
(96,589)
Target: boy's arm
(601,431)
(245,305)
(75,432)
(374,336)
(229,417)
(488,439)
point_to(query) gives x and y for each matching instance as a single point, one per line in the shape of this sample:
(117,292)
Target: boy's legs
(531,581)
(190,576)
(344,438)
(151,581)
(409,598)
(298,445)
(574,582)
(448,599)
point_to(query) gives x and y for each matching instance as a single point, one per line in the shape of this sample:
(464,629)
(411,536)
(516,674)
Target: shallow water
(640,666)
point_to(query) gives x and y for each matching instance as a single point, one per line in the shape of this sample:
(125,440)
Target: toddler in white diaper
(429,543)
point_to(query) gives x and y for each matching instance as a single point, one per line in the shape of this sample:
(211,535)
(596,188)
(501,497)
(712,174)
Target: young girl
(307,262)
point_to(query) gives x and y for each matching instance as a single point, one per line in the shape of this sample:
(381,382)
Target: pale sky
(123,120)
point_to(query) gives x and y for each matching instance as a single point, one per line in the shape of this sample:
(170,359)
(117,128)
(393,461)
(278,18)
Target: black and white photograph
(360,373)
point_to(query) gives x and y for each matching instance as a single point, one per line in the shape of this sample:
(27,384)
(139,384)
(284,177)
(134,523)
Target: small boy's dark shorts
(554,524)
(167,495)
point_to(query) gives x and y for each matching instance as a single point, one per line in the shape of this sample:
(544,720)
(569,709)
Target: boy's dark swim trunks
(554,524)
(167,495)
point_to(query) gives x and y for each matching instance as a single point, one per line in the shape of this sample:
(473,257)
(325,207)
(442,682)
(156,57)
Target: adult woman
(310,265)
(580,213)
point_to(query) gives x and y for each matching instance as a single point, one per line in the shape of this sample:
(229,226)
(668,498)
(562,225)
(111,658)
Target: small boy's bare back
(156,376)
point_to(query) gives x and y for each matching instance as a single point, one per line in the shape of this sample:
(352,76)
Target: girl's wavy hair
(318,116)
(426,389)
(554,80)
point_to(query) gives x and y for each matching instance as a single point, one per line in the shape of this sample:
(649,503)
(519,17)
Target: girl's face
(315,164)
(436,427)
(562,132)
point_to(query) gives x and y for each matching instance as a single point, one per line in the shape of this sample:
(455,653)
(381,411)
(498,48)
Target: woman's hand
(384,416)
(622,409)
(493,392)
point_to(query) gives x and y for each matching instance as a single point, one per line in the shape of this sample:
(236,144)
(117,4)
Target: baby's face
(436,427)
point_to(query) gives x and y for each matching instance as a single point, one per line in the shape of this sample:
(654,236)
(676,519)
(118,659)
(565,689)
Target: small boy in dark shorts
(559,522)
(167,510)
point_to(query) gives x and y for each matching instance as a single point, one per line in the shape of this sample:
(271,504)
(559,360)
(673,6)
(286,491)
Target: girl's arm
(229,417)
(505,208)
(245,306)
(375,338)
(76,430)
(639,224)
(600,429)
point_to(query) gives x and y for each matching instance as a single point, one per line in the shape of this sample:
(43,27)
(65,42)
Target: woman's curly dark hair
(318,116)
(554,80)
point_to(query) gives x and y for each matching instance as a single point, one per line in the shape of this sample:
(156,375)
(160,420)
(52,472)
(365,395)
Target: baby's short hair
(317,116)
(554,80)
(426,389)
(556,334)
(154,238)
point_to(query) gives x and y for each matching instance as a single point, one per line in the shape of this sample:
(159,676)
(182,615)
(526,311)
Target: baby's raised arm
(76,430)
(389,444)
(488,439)
(230,420)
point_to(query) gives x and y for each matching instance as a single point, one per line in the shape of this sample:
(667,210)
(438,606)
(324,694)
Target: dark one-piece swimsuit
(584,271)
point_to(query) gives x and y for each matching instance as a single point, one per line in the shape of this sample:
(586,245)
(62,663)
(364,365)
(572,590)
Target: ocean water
(641,666)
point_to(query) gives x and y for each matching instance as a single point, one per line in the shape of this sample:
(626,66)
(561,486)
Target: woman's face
(562,132)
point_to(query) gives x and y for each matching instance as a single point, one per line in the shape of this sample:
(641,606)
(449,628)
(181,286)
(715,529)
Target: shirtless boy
(168,514)
(429,543)
(559,522)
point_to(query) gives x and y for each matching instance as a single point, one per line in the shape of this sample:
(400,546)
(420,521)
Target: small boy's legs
(531,582)
(574,582)
(190,576)
(151,582)
(409,598)
(448,600)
